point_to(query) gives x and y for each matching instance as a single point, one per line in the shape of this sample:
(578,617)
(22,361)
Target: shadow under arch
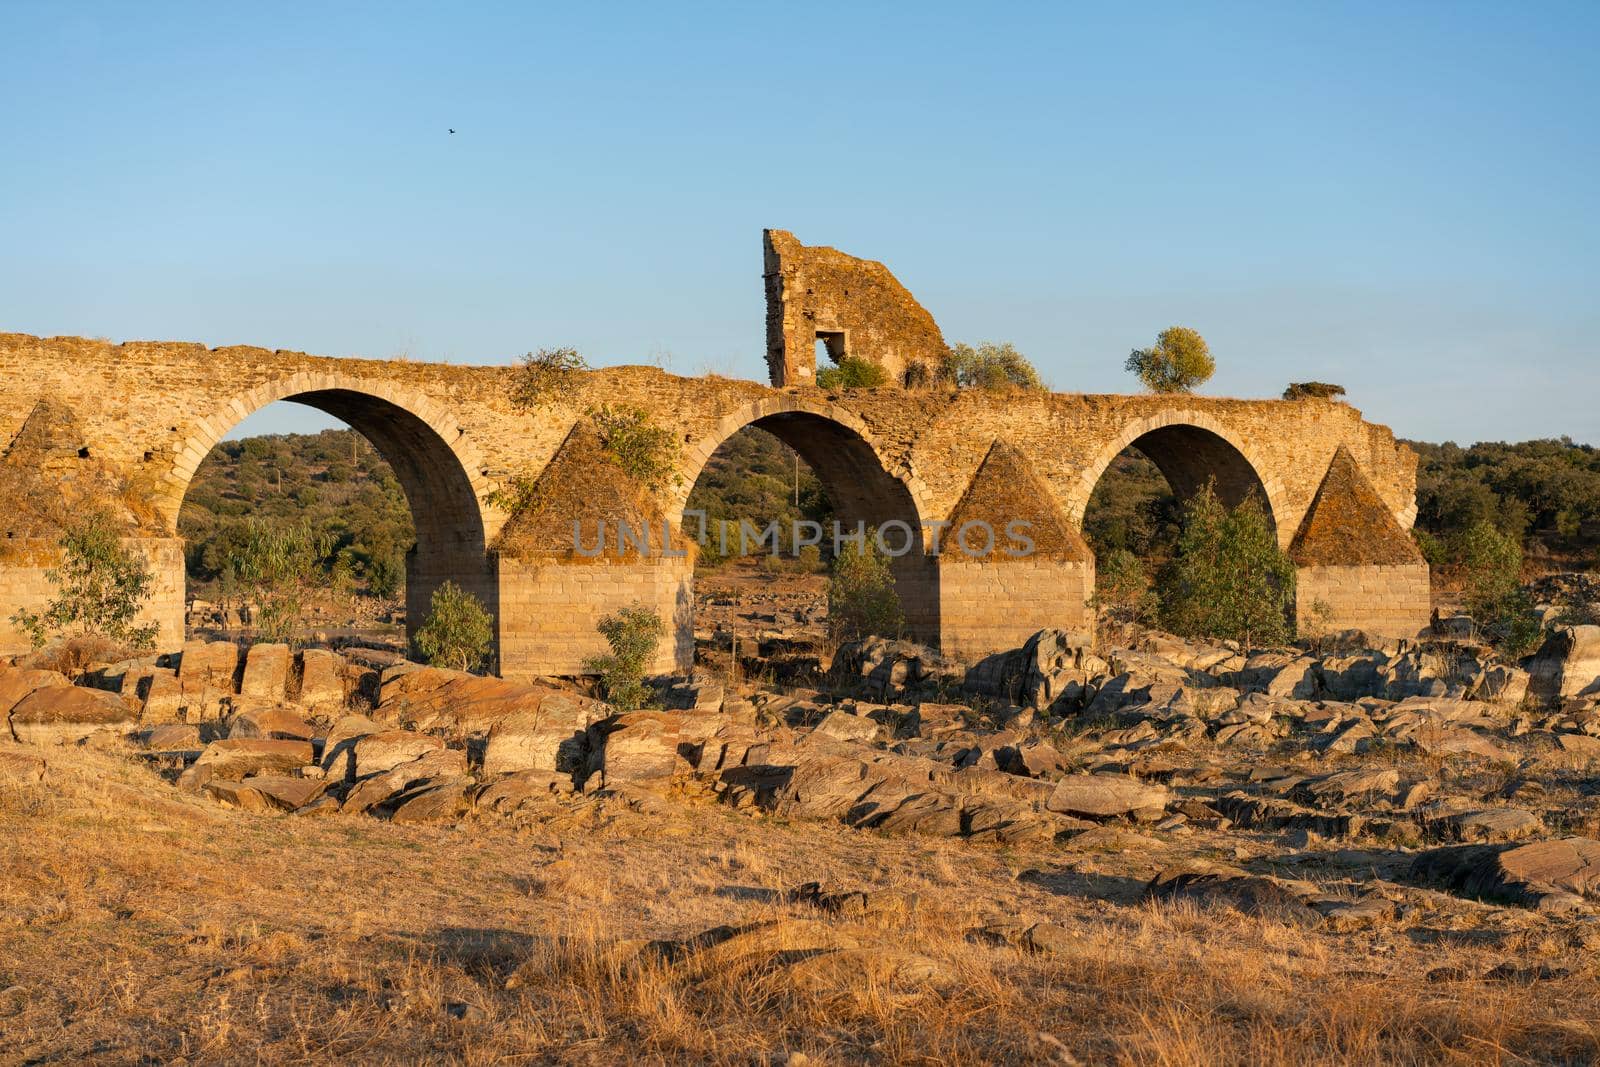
(839,449)
(437,467)
(1190,449)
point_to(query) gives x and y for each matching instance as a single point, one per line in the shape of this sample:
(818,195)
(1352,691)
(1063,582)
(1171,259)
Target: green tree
(277,567)
(547,377)
(998,367)
(853,372)
(861,596)
(633,635)
(100,585)
(1122,589)
(1227,579)
(1178,362)
(1491,567)
(458,632)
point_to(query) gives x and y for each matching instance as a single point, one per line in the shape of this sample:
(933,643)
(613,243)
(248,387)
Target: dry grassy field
(139,924)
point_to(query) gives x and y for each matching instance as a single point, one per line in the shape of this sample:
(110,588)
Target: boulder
(639,748)
(339,747)
(843,726)
(439,765)
(18,682)
(284,792)
(175,698)
(1031,760)
(1105,795)
(1222,886)
(174,737)
(214,664)
(321,679)
(548,736)
(1495,824)
(1548,875)
(378,752)
(438,802)
(520,788)
(266,672)
(57,714)
(233,759)
(429,698)
(270,721)
(1567,665)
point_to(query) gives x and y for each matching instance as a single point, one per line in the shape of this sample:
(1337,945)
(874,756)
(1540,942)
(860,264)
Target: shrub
(991,366)
(1179,361)
(1122,590)
(1228,579)
(633,635)
(1491,568)
(1313,390)
(101,586)
(853,372)
(458,632)
(518,495)
(547,377)
(862,600)
(276,567)
(646,452)
(386,575)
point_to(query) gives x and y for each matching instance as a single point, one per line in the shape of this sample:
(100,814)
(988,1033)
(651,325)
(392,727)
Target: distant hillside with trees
(333,481)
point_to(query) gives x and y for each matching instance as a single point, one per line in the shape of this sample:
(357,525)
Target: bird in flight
(452,131)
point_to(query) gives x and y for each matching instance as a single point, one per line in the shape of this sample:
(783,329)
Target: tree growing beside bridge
(632,634)
(1228,579)
(1179,362)
(458,632)
(101,586)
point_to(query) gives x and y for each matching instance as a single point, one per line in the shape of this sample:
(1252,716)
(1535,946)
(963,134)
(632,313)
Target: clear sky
(1401,198)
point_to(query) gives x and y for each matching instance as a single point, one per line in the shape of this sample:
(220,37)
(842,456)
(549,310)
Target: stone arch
(438,467)
(1191,447)
(850,464)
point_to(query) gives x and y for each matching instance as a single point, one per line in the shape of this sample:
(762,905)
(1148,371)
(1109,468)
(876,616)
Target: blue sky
(1404,199)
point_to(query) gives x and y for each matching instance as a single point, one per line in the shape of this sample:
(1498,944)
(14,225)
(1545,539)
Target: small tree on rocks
(633,634)
(458,632)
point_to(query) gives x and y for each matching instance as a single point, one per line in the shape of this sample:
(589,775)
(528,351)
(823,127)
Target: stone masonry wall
(549,610)
(24,586)
(149,412)
(1385,601)
(988,606)
(855,306)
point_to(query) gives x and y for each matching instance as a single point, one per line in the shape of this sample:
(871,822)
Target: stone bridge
(86,422)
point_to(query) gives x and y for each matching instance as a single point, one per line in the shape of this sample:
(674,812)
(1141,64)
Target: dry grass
(138,924)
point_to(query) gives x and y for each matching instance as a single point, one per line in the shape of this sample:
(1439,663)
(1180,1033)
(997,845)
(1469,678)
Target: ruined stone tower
(855,307)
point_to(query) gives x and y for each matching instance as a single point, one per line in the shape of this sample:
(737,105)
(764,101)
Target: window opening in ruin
(832,343)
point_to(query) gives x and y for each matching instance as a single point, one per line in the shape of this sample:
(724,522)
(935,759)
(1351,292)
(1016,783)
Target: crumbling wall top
(856,307)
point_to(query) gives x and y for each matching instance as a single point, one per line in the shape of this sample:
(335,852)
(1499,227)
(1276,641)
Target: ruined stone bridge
(88,422)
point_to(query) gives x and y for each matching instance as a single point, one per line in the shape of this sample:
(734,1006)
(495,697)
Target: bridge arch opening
(797,466)
(413,504)
(1137,491)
